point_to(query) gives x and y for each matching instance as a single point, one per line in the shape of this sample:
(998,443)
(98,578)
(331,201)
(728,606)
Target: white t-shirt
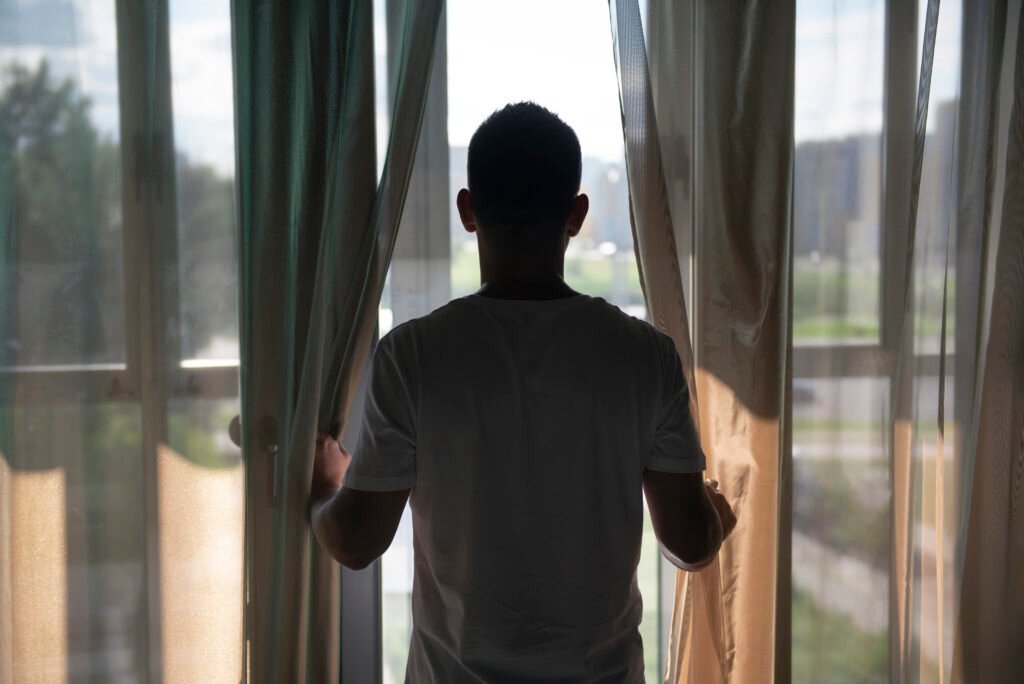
(523,428)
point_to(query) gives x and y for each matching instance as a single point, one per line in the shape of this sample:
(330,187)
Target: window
(119,342)
(845,267)
(496,54)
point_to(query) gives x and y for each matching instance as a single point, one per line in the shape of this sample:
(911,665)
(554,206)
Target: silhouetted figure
(524,420)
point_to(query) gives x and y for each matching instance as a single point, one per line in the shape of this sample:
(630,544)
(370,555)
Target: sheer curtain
(317,231)
(731,189)
(121,505)
(857,325)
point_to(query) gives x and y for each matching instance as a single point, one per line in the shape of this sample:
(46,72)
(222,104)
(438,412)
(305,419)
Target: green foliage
(65,231)
(207,255)
(64,194)
(67,224)
(828,647)
(195,444)
(830,505)
(613,279)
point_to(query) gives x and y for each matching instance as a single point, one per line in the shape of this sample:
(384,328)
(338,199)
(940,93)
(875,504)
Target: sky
(555,52)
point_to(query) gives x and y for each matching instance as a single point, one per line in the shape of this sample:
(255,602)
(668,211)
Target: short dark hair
(524,169)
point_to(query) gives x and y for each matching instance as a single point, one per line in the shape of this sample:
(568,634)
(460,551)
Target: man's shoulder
(454,311)
(405,333)
(640,326)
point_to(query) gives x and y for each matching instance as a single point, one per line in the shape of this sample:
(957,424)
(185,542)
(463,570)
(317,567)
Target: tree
(62,191)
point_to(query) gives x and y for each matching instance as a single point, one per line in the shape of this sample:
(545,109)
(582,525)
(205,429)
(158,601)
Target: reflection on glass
(72,544)
(60,166)
(202,90)
(73,518)
(202,520)
(120,557)
(199,470)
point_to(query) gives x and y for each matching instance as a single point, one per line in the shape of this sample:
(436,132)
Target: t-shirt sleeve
(676,447)
(384,459)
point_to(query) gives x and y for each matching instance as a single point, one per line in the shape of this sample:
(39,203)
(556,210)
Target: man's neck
(517,287)
(532,272)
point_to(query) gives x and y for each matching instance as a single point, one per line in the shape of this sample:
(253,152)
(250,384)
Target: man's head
(524,177)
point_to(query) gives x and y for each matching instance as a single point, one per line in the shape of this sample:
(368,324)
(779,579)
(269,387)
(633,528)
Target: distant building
(837,191)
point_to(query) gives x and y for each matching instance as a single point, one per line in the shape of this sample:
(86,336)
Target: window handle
(267,440)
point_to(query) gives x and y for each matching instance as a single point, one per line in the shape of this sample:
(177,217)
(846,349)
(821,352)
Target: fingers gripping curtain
(317,232)
(724,626)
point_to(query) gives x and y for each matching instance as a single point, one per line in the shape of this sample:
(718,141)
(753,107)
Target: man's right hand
(722,507)
(690,516)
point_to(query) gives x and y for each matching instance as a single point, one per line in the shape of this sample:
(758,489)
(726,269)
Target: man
(524,420)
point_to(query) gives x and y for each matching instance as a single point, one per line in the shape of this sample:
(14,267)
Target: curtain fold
(317,230)
(905,442)
(957,413)
(716,171)
(990,627)
(725,626)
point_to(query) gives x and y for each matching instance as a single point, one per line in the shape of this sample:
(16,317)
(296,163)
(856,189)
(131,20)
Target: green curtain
(317,231)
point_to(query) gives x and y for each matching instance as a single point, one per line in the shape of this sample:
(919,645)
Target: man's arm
(691,517)
(355,527)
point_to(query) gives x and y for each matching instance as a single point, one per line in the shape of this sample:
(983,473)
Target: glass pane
(204,135)
(488,68)
(200,475)
(840,530)
(202,522)
(73,525)
(60,186)
(837,170)
(840,467)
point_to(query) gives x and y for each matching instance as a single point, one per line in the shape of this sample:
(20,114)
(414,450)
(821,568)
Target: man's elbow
(356,561)
(695,563)
(696,551)
(342,549)
(341,545)
(690,560)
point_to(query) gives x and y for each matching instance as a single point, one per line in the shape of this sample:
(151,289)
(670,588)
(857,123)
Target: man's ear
(465,211)
(580,207)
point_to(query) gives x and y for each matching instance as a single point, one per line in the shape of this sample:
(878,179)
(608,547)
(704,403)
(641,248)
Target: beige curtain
(845,225)
(957,415)
(734,197)
(988,631)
